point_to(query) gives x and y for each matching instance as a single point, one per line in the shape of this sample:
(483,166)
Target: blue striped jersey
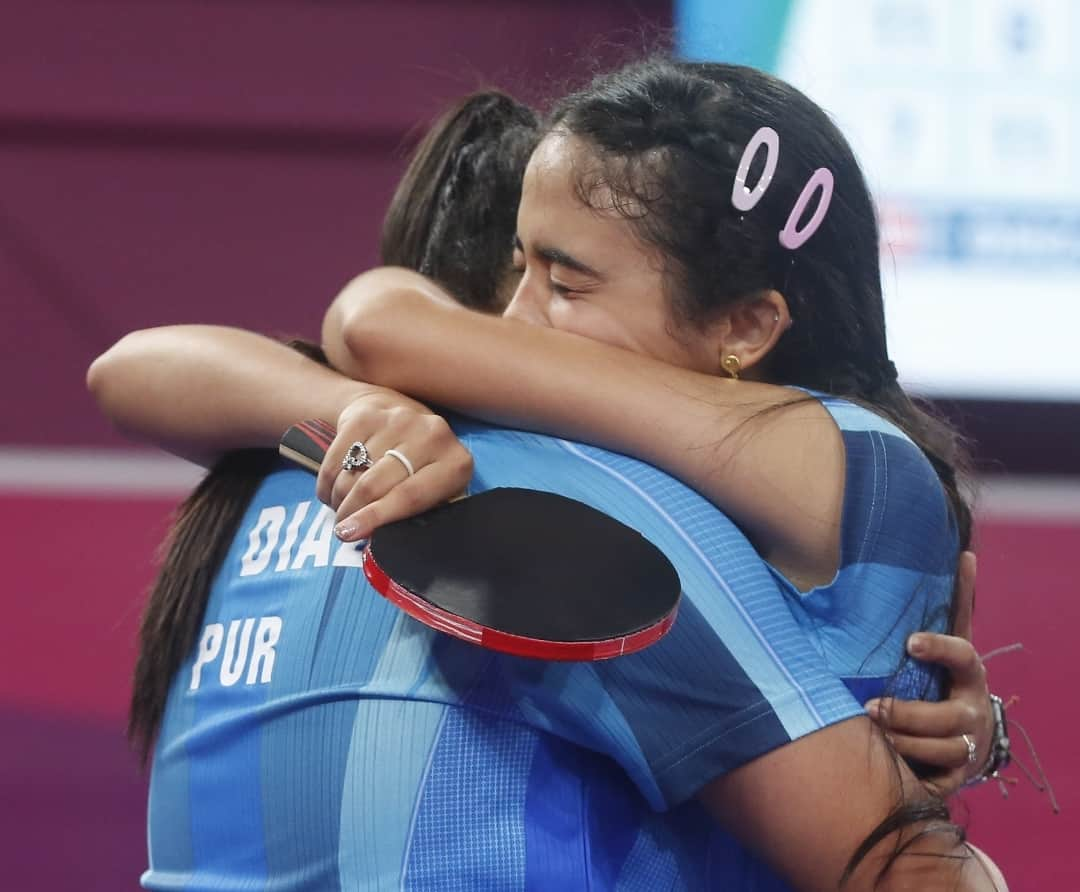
(319,739)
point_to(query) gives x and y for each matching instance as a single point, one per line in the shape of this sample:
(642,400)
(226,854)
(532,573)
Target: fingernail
(916,644)
(873,707)
(346,530)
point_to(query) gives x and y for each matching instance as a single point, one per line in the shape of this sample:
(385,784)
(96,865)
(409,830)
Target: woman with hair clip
(415,294)
(639,229)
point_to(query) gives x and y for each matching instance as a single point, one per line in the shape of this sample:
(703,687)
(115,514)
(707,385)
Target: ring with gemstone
(356,458)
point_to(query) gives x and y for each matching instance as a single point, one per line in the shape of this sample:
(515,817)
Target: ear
(753,327)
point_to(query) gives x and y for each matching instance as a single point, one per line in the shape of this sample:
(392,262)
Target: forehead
(554,167)
(566,165)
(564,200)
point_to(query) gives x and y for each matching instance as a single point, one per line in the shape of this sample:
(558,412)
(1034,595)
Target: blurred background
(182,161)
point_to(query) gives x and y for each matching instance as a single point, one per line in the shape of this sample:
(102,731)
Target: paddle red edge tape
(517,645)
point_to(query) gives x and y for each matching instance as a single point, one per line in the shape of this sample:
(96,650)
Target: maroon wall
(225,162)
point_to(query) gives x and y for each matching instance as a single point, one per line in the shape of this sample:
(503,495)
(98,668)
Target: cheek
(587,320)
(676,353)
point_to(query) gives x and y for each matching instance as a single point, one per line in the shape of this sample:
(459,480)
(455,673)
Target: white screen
(965,115)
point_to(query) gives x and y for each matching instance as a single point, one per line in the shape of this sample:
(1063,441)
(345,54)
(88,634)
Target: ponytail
(201,535)
(455,208)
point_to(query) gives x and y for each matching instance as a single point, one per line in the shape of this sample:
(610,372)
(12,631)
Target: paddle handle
(306,443)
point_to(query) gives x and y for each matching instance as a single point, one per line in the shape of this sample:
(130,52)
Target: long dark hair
(453,218)
(664,142)
(197,543)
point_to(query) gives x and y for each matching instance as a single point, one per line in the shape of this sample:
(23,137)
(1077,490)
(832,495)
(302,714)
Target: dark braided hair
(663,144)
(454,213)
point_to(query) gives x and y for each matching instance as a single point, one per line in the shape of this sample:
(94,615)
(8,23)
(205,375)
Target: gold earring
(732,365)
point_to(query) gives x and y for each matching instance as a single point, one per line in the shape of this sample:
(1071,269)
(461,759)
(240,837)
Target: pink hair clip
(793,238)
(744,199)
(741,197)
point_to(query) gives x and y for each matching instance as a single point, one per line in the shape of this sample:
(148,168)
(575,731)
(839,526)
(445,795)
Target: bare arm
(780,475)
(199,391)
(807,806)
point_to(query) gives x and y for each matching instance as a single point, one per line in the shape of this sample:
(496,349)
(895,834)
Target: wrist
(366,398)
(350,397)
(1000,755)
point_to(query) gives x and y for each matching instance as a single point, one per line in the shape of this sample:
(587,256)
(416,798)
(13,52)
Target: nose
(529,303)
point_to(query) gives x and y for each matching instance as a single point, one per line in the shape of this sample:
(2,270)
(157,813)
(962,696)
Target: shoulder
(284,483)
(680,521)
(609,480)
(896,510)
(856,418)
(878,446)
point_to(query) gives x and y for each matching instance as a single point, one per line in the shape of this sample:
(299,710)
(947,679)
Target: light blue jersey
(320,739)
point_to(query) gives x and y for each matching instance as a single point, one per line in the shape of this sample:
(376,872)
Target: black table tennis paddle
(521,571)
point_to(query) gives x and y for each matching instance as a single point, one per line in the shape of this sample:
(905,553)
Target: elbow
(349,336)
(109,377)
(97,375)
(103,373)
(988,869)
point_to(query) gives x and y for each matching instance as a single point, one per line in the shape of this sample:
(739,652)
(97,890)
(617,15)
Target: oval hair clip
(793,238)
(743,198)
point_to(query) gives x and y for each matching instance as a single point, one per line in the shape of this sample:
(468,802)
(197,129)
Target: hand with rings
(392,458)
(953,736)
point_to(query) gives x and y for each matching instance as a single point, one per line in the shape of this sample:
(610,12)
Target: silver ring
(356,458)
(401,458)
(972,749)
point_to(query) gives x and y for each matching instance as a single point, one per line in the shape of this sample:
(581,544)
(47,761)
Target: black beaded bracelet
(1000,754)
